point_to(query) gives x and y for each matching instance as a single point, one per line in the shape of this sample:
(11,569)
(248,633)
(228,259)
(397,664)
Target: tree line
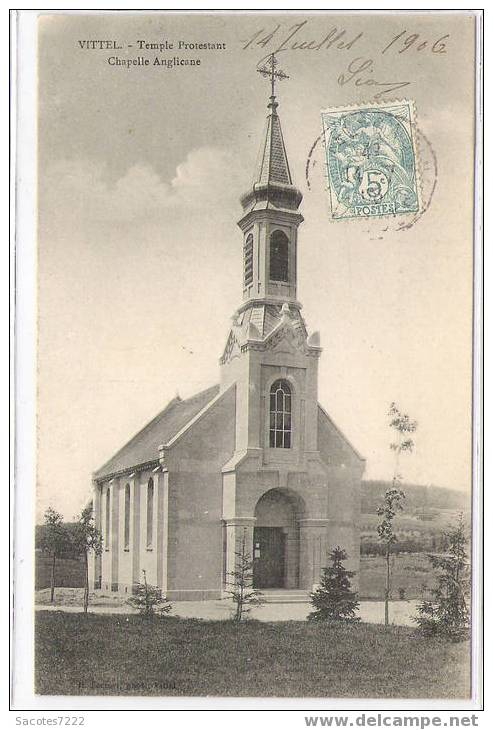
(78,538)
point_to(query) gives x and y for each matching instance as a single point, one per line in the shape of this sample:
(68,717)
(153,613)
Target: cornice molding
(269,214)
(269,301)
(137,468)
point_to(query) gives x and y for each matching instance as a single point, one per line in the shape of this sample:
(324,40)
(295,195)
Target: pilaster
(115,521)
(135,545)
(162,479)
(237,530)
(313,550)
(95,561)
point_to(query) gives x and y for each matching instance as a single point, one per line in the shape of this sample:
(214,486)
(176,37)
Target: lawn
(129,655)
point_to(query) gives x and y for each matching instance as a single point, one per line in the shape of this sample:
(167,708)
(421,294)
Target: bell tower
(268,351)
(270,214)
(287,453)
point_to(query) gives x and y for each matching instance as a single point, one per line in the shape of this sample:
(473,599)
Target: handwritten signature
(358,72)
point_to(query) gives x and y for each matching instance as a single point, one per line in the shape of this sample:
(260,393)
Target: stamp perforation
(362,183)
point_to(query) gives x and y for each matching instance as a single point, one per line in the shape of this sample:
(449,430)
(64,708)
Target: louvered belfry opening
(279,256)
(248,260)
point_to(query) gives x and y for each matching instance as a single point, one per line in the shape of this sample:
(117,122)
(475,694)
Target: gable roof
(144,446)
(323,413)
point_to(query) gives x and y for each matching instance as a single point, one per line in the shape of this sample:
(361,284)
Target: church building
(254,458)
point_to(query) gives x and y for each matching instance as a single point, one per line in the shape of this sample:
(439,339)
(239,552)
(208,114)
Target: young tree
(86,538)
(387,511)
(241,581)
(54,541)
(149,599)
(334,600)
(447,613)
(403,426)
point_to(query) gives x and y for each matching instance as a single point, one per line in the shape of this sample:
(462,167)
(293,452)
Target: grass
(410,571)
(128,655)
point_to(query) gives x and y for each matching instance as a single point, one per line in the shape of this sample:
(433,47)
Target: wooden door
(268,557)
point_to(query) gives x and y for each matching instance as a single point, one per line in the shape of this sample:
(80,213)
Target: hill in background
(420,500)
(428,512)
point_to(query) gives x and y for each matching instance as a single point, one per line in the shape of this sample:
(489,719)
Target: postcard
(256,293)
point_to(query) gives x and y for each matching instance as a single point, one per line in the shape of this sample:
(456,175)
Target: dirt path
(370,611)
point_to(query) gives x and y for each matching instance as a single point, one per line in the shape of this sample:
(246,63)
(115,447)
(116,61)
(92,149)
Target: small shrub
(427,618)
(446,613)
(334,600)
(149,599)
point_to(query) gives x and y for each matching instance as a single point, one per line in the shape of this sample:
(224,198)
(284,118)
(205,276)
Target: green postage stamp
(371,160)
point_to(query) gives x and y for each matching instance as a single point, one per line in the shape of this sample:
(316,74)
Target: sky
(139,255)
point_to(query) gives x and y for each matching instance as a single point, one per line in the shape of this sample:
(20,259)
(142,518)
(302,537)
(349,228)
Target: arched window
(248,260)
(107,519)
(280,428)
(150,511)
(279,256)
(126,523)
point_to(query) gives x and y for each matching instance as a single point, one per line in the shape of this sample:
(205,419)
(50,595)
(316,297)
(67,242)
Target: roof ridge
(199,394)
(168,406)
(199,414)
(173,403)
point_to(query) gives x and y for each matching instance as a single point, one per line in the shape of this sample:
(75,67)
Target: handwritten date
(404,41)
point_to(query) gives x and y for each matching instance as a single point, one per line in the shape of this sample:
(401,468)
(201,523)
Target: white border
(23,499)
(24,147)
(477,557)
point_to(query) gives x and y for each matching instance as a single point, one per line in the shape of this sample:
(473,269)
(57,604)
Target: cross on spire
(269,70)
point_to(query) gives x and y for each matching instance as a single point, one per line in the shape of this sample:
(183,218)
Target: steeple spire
(273,166)
(272,183)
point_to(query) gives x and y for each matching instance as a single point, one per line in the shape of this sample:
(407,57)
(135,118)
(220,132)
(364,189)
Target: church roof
(266,317)
(260,321)
(144,446)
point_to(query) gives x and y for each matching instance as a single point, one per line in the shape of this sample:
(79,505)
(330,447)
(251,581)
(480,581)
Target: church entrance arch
(276,540)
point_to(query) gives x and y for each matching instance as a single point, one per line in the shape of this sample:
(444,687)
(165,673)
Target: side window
(150,511)
(107,537)
(126,524)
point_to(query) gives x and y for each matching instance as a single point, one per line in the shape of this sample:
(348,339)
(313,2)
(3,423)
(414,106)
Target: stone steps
(285,596)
